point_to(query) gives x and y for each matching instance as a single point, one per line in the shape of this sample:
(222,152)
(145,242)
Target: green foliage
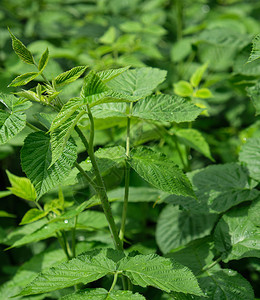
(69,76)
(255,53)
(32,215)
(24,79)
(43,60)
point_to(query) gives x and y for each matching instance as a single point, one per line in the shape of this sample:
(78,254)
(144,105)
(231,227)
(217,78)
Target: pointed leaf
(197,75)
(138,82)
(36,159)
(109,110)
(33,215)
(4,214)
(159,272)
(203,93)
(108,75)
(23,79)
(255,53)
(5,194)
(254,93)
(43,60)
(69,76)
(30,95)
(10,125)
(20,49)
(160,172)
(166,108)
(183,88)
(22,187)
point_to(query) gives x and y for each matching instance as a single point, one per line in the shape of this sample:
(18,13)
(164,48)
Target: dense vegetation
(130,149)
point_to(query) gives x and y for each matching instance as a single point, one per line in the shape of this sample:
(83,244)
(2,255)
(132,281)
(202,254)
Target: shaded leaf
(5,214)
(254,94)
(255,53)
(23,79)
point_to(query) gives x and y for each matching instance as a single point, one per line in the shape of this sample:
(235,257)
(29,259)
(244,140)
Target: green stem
(73,243)
(89,180)
(82,137)
(34,128)
(62,244)
(114,282)
(206,268)
(101,189)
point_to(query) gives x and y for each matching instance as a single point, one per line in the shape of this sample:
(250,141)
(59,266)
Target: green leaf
(203,93)
(109,110)
(194,139)
(20,49)
(254,93)
(162,173)
(4,214)
(102,294)
(237,236)
(23,79)
(108,75)
(183,88)
(33,215)
(181,49)
(177,227)
(36,159)
(5,194)
(69,76)
(85,268)
(138,82)
(109,36)
(159,272)
(166,108)
(43,60)
(29,95)
(13,103)
(21,187)
(254,212)
(10,125)
(197,75)
(255,53)
(250,155)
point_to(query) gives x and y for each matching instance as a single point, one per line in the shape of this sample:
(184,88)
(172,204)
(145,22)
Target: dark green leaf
(255,53)
(254,94)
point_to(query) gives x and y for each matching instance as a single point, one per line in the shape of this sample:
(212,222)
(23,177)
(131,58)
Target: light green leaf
(109,36)
(237,236)
(198,74)
(108,75)
(159,272)
(13,103)
(181,49)
(23,79)
(69,76)
(10,125)
(203,93)
(36,159)
(194,139)
(30,95)
(4,214)
(33,215)
(250,155)
(86,268)
(20,49)
(162,173)
(255,53)
(5,194)
(43,60)
(21,187)
(166,108)
(109,110)
(138,82)
(102,294)
(254,93)
(177,227)
(183,88)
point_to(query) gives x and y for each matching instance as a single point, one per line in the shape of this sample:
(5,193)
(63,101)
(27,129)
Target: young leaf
(33,215)
(183,88)
(237,236)
(23,79)
(255,53)
(5,194)
(254,93)
(102,294)
(166,108)
(43,60)
(162,173)
(36,159)
(20,49)
(29,95)
(4,214)
(138,82)
(69,76)
(22,187)
(203,93)
(86,268)
(159,272)
(10,125)
(250,155)
(177,227)
(108,75)
(197,75)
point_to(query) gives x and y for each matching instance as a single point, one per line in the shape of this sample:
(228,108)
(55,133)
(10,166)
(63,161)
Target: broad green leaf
(162,173)
(203,93)
(45,119)
(194,139)
(33,215)
(237,236)
(36,160)
(254,93)
(177,227)
(10,125)
(138,82)
(23,79)
(109,110)
(250,155)
(254,212)
(22,187)
(4,214)
(20,49)
(166,108)
(255,53)
(5,194)
(108,75)
(69,76)
(43,60)
(13,103)
(86,268)
(197,75)
(183,88)
(102,294)
(181,49)
(225,284)
(159,272)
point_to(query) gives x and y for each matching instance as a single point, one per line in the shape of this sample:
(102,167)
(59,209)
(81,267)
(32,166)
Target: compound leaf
(69,76)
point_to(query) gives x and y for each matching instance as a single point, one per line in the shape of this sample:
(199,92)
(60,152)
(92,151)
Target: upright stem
(73,243)
(101,189)
(179,10)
